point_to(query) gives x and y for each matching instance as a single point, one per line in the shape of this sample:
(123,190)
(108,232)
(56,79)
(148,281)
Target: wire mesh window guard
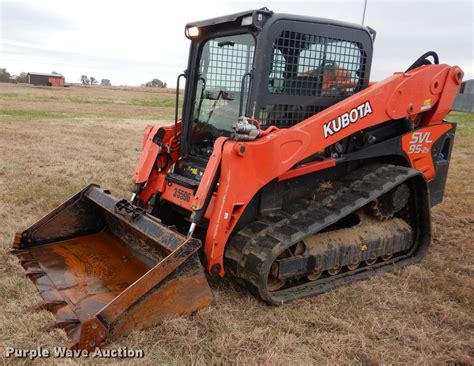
(226,64)
(224,61)
(309,65)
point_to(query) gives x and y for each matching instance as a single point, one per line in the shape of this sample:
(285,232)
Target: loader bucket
(105,268)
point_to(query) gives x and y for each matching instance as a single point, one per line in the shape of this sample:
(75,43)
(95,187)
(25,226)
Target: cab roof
(267,14)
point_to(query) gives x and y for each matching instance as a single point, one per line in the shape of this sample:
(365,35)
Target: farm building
(465,98)
(36,78)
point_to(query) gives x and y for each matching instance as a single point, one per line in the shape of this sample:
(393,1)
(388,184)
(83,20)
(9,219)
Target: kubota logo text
(345,119)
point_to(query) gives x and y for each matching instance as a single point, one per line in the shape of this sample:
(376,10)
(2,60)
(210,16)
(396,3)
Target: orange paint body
(428,89)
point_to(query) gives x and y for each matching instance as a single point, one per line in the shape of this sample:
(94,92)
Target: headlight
(192,32)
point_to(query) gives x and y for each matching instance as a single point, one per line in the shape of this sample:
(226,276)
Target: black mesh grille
(284,115)
(309,65)
(227,65)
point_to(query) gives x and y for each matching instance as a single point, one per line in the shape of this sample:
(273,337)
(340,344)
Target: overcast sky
(131,42)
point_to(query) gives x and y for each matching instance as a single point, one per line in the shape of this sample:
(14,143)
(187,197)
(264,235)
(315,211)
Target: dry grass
(420,315)
(91,102)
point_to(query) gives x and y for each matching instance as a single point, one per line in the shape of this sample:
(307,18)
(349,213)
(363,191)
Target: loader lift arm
(401,95)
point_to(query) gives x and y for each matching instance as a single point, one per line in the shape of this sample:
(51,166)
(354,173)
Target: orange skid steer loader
(288,171)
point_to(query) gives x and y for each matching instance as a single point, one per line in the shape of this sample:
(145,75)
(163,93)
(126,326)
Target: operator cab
(277,68)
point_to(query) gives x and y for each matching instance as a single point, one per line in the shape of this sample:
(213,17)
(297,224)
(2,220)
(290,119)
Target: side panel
(418,144)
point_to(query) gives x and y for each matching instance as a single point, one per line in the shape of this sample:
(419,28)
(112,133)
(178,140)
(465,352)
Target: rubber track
(253,249)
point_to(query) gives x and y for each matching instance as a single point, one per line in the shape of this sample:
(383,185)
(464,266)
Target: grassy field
(55,141)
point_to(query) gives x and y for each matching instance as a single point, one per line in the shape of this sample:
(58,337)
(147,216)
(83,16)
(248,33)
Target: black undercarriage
(309,246)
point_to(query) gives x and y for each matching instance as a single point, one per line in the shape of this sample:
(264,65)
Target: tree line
(90,80)
(22,77)
(6,77)
(86,80)
(155,83)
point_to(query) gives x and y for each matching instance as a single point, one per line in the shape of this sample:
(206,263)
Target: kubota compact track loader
(293,171)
